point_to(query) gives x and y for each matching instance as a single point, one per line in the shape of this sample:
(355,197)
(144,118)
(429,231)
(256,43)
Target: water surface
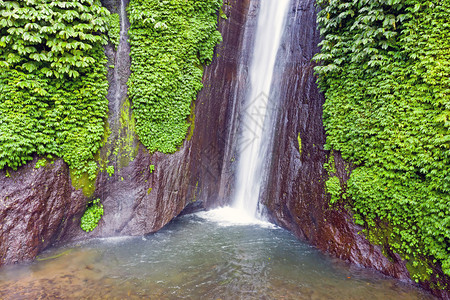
(195,257)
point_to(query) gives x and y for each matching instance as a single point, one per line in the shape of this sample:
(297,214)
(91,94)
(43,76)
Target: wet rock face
(138,200)
(37,205)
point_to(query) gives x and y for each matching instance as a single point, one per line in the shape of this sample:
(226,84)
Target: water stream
(197,257)
(121,66)
(258,106)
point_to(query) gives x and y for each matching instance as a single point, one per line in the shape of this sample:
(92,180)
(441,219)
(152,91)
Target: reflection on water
(195,258)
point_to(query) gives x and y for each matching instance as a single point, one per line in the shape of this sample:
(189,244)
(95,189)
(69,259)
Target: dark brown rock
(36,206)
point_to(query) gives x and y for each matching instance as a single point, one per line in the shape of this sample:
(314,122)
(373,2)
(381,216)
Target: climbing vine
(385,71)
(52,81)
(170,41)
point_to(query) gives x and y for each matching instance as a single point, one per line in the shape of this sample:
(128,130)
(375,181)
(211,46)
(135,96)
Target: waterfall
(258,106)
(121,62)
(118,150)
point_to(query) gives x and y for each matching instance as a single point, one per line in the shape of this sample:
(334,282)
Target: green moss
(82,181)
(192,122)
(222,14)
(39,258)
(195,193)
(330,165)
(419,270)
(125,147)
(299,139)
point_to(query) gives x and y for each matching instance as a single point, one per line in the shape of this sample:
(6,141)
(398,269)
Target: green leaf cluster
(52,81)
(52,37)
(385,71)
(333,185)
(110,170)
(170,41)
(92,215)
(114,29)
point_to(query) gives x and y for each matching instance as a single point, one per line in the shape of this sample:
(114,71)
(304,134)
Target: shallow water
(195,257)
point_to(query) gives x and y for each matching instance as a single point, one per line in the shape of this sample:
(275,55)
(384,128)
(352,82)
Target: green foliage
(333,187)
(333,183)
(110,170)
(222,14)
(114,29)
(40,163)
(83,181)
(385,71)
(92,215)
(170,40)
(52,81)
(151,168)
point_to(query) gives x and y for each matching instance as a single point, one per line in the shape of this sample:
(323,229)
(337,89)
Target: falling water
(123,50)
(257,108)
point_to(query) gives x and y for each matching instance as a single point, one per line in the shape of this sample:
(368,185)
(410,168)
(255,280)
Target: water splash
(229,216)
(257,109)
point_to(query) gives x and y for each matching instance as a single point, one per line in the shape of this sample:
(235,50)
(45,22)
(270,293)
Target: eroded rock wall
(295,194)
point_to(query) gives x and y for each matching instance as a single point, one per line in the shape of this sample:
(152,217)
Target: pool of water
(197,257)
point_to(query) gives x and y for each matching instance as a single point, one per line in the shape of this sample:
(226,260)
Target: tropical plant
(92,215)
(170,41)
(52,81)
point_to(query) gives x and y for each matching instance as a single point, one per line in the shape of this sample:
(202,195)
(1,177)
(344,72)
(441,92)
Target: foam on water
(230,216)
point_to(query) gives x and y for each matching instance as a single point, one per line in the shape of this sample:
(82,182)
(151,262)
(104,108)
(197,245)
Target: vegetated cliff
(384,71)
(40,207)
(296,196)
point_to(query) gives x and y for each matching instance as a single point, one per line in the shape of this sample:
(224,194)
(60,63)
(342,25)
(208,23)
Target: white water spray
(121,50)
(257,106)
